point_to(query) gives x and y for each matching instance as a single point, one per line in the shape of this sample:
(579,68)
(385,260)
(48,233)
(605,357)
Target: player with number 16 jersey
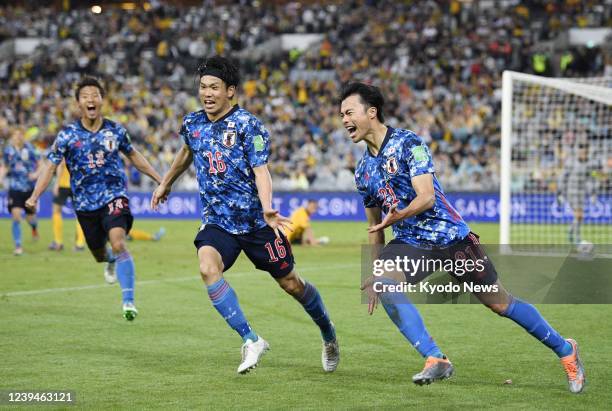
(229,148)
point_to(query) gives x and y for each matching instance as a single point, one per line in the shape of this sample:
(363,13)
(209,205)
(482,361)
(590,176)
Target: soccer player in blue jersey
(91,146)
(229,147)
(21,166)
(396,176)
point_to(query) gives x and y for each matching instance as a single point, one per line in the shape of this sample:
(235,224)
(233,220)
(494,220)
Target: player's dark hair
(221,67)
(86,82)
(370,96)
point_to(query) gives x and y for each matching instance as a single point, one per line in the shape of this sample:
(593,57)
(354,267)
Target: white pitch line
(170,280)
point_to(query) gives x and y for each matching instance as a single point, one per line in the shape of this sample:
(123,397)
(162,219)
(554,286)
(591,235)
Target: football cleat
(35,235)
(55,246)
(109,273)
(330,357)
(572,364)
(18,251)
(251,354)
(435,369)
(159,234)
(129,311)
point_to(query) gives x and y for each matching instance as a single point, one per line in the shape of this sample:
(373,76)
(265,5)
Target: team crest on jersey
(25,154)
(110,141)
(229,138)
(391,166)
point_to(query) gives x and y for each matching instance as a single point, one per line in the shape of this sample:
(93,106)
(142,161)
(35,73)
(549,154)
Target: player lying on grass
(396,176)
(21,164)
(301,231)
(229,147)
(90,146)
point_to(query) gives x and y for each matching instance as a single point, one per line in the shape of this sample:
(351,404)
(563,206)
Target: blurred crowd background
(438,62)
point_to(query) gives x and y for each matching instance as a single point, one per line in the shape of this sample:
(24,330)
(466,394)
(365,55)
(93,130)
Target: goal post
(556,160)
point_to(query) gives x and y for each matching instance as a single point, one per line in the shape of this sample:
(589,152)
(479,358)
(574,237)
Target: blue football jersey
(20,163)
(96,170)
(385,179)
(224,155)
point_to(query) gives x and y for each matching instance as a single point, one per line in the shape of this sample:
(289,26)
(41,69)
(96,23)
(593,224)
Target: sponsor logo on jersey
(258,143)
(419,153)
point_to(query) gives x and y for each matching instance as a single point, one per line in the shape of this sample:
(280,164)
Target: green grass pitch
(62,330)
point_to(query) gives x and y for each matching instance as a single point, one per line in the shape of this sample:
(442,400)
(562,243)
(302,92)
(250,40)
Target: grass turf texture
(179,353)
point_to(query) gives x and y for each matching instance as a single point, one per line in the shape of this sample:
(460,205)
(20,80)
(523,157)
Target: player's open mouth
(351,130)
(91,109)
(209,103)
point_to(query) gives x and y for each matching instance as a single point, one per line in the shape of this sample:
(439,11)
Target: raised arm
(181,162)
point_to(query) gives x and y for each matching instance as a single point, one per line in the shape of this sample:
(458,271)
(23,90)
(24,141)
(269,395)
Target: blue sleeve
(419,160)
(58,149)
(368,200)
(184,134)
(256,143)
(125,142)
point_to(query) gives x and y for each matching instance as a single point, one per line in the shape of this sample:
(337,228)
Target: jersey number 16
(215,162)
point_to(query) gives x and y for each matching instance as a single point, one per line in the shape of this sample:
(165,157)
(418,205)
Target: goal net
(556,162)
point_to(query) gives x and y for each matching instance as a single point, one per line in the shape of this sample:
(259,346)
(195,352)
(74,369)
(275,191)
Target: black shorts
(63,194)
(267,252)
(467,257)
(96,224)
(18,199)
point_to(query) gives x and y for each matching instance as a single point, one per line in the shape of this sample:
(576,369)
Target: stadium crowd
(439,62)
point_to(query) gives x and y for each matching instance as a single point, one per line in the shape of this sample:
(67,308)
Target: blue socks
(17,233)
(528,317)
(408,320)
(125,275)
(225,302)
(313,304)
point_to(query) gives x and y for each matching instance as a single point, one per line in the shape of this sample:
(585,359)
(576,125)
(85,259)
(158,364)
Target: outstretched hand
(277,222)
(392,217)
(30,204)
(160,195)
(368,287)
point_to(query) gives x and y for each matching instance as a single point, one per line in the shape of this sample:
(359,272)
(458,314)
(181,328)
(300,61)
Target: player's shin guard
(58,227)
(225,301)
(408,320)
(125,275)
(313,304)
(528,317)
(16,230)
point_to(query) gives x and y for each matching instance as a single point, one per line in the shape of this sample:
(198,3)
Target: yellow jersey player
(302,232)
(61,193)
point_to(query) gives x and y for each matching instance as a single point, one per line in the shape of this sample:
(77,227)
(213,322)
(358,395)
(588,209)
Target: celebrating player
(396,176)
(21,165)
(90,146)
(229,147)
